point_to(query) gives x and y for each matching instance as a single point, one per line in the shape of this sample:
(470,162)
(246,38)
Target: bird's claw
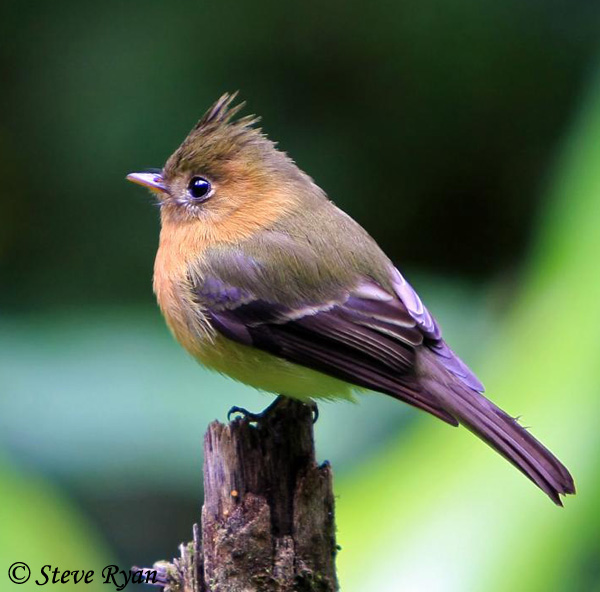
(259,417)
(315,411)
(255,417)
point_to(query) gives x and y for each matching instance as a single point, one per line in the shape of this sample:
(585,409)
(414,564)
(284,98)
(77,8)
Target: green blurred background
(465,136)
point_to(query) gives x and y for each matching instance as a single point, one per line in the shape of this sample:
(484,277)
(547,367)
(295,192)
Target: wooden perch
(268,514)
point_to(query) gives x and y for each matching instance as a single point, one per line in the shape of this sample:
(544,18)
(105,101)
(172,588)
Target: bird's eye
(199,189)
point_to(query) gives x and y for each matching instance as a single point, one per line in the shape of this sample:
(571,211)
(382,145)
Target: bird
(261,277)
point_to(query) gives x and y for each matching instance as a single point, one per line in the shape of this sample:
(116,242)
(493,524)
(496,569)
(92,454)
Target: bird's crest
(221,115)
(218,133)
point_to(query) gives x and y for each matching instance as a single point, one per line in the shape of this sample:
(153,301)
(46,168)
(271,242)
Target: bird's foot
(255,417)
(262,416)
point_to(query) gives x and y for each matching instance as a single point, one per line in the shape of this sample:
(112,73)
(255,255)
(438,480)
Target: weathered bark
(268,514)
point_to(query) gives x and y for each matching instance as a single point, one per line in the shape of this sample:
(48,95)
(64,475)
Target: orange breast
(183,243)
(179,246)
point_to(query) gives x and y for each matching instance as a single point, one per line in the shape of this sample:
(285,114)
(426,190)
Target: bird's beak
(152,181)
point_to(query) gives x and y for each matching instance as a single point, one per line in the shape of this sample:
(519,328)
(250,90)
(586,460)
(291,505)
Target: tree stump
(268,515)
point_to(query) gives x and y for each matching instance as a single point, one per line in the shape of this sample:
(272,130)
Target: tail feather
(512,441)
(504,434)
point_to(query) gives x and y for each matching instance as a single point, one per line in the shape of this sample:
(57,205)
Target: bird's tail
(504,434)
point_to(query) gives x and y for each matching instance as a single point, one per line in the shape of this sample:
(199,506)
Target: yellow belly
(193,330)
(251,366)
(269,373)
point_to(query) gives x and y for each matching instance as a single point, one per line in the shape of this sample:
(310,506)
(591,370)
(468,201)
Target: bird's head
(226,173)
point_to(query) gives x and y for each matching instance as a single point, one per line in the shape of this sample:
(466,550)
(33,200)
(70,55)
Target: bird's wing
(364,335)
(432,332)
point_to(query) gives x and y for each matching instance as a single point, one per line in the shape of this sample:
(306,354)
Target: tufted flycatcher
(259,276)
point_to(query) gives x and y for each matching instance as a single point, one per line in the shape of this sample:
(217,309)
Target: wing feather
(365,336)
